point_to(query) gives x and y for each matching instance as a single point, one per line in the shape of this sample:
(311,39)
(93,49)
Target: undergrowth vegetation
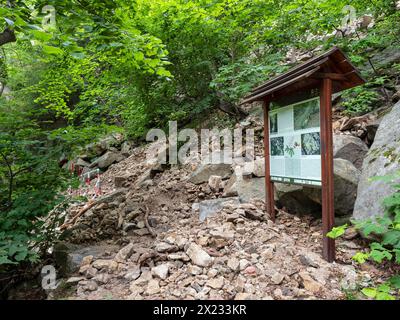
(83,69)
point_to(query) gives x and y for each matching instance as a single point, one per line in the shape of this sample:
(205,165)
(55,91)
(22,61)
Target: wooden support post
(326,137)
(269,186)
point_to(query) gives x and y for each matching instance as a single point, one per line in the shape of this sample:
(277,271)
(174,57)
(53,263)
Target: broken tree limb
(88,206)
(92,203)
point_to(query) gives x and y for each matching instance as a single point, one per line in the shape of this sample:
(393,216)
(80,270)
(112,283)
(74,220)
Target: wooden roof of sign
(332,64)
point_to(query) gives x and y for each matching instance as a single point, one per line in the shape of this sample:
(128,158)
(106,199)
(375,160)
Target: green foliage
(382,292)
(386,228)
(72,139)
(386,231)
(30,182)
(359,100)
(336,232)
(117,65)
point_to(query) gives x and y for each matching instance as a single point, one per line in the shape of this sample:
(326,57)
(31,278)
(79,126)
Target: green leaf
(369,292)
(41,35)
(391,237)
(337,232)
(384,288)
(21,255)
(379,256)
(384,296)
(163,72)
(52,50)
(397,255)
(139,56)
(360,257)
(5,260)
(373,228)
(395,281)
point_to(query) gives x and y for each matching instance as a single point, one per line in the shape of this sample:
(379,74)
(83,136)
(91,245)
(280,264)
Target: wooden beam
(326,137)
(262,95)
(332,76)
(269,185)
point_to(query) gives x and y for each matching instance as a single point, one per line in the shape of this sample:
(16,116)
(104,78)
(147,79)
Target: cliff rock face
(382,159)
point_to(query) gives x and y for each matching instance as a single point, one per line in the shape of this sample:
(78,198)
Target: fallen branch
(106,198)
(88,206)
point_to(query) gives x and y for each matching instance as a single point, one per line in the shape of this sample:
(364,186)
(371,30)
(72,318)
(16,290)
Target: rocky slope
(145,239)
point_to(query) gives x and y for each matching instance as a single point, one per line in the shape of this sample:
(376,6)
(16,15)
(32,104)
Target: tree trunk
(7,36)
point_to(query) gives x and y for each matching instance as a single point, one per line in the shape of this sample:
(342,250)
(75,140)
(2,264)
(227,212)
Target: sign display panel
(295,146)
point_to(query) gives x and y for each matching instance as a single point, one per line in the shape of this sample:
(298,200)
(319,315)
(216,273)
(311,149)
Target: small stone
(102,278)
(133,273)
(277,278)
(141,232)
(255,215)
(153,287)
(109,265)
(251,271)
(124,253)
(86,260)
(219,233)
(243,296)
(350,233)
(349,281)
(144,278)
(136,289)
(212,273)
(194,270)
(127,226)
(243,264)
(164,247)
(268,253)
(232,217)
(141,224)
(278,293)
(198,255)
(88,271)
(178,256)
(215,183)
(233,264)
(75,279)
(309,283)
(308,261)
(216,283)
(161,271)
(89,285)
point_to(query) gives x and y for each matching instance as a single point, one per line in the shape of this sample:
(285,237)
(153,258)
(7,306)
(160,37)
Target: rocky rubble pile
(197,231)
(237,254)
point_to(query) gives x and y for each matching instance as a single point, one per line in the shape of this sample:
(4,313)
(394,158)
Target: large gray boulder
(250,188)
(97,148)
(349,148)
(346,177)
(107,159)
(382,159)
(205,171)
(301,199)
(245,187)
